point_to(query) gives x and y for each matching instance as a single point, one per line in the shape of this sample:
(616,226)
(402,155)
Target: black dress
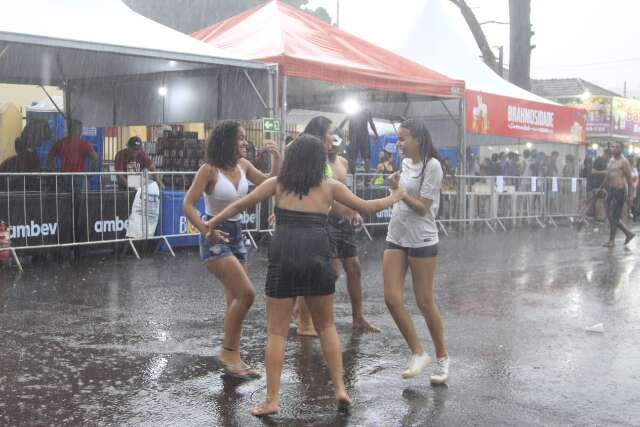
(300,256)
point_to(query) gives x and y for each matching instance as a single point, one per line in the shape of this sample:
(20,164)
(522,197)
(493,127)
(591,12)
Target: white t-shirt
(407,228)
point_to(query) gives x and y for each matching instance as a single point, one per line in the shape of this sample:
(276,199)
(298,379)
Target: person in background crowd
(251,152)
(73,152)
(385,163)
(133,159)
(503,159)
(634,178)
(342,225)
(512,167)
(495,169)
(223,180)
(485,167)
(598,173)
(24,160)
(475,166)
(585,172)
(359,138)
(552,164)
(524,164)
(619,189)
(412,244)
(569,168)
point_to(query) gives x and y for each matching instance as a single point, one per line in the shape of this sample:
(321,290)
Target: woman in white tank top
(221,181)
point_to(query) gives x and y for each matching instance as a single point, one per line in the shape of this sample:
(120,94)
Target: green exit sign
(270,125)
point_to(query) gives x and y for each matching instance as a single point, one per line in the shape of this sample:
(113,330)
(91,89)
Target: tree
(188,16)
(487,54)
(520,40)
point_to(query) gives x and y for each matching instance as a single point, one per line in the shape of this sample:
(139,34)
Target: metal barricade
(563,198)
(58,210)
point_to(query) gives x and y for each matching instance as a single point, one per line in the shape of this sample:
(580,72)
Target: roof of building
(557,88)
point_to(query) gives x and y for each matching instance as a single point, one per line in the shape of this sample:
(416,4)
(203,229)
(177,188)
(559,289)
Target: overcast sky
(592,39)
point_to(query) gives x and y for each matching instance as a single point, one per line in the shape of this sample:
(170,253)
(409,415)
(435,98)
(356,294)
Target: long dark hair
(304,165)
(222,151)
(318,126)
(419,130)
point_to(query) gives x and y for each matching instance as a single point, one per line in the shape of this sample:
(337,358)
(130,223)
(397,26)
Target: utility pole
(338,13)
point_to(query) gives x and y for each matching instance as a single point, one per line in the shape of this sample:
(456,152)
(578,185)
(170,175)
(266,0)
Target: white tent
(436,39)
(111,62)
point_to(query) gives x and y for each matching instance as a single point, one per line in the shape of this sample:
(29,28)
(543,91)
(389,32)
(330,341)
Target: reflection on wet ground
(132,342)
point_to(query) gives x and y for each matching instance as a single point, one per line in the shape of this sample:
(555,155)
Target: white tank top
(224,193)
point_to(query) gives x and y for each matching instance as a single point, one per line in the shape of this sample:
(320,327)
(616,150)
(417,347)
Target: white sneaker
(417,362)
(440,373)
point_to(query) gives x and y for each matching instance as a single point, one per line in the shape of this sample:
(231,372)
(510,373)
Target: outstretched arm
(343,195)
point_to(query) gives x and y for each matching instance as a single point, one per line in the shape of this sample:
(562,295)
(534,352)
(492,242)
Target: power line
(592,64)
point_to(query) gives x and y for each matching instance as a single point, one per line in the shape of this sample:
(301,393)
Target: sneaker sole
(439,382)
(413,375)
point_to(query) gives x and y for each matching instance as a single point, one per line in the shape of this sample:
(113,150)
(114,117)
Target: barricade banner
(144,212)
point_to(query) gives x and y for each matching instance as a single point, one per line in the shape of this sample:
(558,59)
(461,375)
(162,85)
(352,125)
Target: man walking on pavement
(619,185)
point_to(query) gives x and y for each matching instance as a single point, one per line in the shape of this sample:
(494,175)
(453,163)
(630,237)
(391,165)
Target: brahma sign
(490,114)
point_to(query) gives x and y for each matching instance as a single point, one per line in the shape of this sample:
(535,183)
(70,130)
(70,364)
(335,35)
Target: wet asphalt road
(127,342)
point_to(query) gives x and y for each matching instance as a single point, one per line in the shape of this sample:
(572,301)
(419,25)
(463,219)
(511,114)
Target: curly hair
(304,166)
(222,151)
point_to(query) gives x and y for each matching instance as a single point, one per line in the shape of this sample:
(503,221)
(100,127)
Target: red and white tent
(437,39)
(308,48)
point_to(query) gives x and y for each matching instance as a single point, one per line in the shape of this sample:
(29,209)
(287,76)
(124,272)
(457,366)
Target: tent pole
(283,114)
(462,148)
(67,107)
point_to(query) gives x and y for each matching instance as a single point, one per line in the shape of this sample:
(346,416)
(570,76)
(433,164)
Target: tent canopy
(494,106)
(308,48)
(112,65)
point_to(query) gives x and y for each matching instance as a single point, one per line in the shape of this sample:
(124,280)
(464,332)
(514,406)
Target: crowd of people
(531,163)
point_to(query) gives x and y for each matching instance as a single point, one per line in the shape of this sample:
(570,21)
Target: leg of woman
(278,316)
(394,267)
(239,295)
(303,320)
(321,308)
(423,271)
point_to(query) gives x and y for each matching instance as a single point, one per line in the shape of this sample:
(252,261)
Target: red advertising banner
(504,116)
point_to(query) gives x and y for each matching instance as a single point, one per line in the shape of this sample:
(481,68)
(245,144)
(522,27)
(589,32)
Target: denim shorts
(212,252)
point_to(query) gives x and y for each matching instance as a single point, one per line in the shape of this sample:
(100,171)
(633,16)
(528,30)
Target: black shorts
(423,252)
(342,235)
(615,203)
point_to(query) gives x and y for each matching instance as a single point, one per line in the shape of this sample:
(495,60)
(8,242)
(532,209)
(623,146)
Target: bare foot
(342,400)
(306,331)
(365,326)
(265,409)
(629,238)
(608,245)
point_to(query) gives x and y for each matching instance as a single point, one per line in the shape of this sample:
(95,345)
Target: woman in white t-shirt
(412,243)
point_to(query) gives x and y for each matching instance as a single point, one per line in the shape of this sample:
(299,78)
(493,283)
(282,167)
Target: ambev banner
(626,117)
(504,116)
